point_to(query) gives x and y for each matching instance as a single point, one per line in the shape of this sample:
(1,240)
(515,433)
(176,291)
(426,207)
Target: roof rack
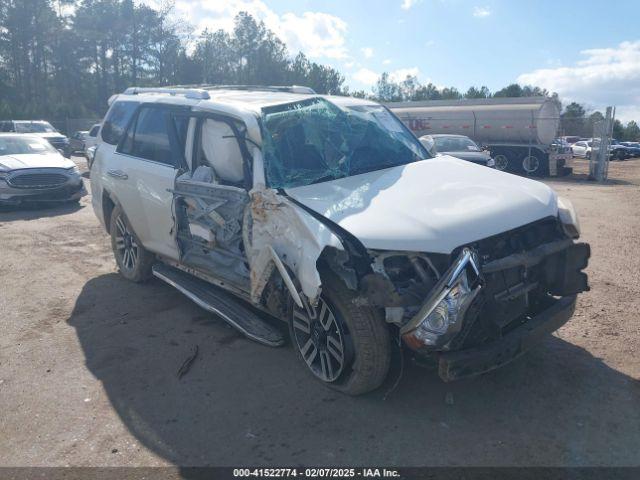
(265,88)
(194,93)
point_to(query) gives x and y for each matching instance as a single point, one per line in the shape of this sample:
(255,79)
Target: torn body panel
(296,238)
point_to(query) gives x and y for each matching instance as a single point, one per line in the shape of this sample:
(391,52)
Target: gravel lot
(88,368)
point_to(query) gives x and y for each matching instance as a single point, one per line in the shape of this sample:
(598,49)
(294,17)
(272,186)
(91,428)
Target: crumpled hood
(34,160)
(434,205)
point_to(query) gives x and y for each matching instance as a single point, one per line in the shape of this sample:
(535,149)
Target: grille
(37,180)
(509,295)
(519,240)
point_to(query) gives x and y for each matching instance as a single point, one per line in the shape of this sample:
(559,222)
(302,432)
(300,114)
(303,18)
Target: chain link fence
(602,148)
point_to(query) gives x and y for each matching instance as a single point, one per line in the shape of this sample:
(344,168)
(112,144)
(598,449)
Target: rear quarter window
(116,121)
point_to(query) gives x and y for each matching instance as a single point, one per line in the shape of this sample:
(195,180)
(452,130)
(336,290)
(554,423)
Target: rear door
(144,168)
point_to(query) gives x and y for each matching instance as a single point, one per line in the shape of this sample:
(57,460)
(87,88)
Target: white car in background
(91,139)
(328,213)
(32,170)
(40,128)
(91,144)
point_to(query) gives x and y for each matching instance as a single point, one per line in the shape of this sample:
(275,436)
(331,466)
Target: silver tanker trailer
(519,132)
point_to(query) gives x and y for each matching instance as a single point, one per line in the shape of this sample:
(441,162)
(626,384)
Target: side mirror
(61,151)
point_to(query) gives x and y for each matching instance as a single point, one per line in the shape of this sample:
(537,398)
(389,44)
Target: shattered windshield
(315,141)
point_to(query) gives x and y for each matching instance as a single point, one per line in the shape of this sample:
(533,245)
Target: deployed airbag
(220,146)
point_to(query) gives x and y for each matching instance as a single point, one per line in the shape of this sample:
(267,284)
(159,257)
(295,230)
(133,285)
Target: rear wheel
(531,164)
(346,347)
(535,164)
(621,155)
(502,162)
(133,260)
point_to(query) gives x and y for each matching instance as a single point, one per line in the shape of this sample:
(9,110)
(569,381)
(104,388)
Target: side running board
(221,303)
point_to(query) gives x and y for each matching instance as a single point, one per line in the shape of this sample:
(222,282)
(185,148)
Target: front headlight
(442,315)
(3,174)
(568,217)
(74,169)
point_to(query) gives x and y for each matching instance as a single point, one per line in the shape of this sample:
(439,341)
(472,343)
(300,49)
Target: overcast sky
(585,50)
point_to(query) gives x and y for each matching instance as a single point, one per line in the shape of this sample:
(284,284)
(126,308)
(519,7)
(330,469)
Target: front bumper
(484,358)
(71,190)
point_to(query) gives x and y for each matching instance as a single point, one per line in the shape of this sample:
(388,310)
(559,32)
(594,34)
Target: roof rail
(194,93)
(265,88)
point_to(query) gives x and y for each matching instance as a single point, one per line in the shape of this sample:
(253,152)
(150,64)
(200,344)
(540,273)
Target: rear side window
(94,131)
(149,137)
(116,121)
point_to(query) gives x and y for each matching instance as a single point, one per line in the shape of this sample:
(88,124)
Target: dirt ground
(88,368)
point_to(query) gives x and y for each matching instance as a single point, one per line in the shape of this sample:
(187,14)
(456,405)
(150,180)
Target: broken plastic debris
(186,365)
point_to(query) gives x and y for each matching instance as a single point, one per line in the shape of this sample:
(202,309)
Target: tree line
(576,120)
(67,65)
(65,58)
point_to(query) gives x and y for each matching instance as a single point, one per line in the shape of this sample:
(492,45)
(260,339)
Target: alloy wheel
(319,339)
(126,245)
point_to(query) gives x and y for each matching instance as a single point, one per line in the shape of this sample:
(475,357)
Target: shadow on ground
(242,403)
(36,210)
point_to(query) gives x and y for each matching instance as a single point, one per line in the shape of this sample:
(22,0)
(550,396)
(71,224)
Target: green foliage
(618,130)
(56,66)
(632,132)
(53,65)
(574,110)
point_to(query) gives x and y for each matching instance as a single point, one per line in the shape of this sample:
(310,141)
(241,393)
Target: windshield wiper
(325,178)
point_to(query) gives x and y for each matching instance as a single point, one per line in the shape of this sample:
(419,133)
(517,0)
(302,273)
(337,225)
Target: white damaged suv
(326,212)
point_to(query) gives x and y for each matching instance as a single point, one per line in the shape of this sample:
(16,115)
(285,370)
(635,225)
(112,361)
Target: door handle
(117,174)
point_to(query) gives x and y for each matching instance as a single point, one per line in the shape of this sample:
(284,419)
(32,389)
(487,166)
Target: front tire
(133,260)
(347,347)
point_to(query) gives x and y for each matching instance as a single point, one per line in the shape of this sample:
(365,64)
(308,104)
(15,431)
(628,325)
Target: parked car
(632,147)
(457,146)
(620,151)
(40,128)
(91,139)
(582,148)
(328,213)
(32,170)
(90,155)
(570,139)
(588,148)
(76,142)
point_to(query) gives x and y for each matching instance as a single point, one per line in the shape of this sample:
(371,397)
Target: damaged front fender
(296,238)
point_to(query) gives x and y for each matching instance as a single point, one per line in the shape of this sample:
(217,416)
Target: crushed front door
(209,221)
